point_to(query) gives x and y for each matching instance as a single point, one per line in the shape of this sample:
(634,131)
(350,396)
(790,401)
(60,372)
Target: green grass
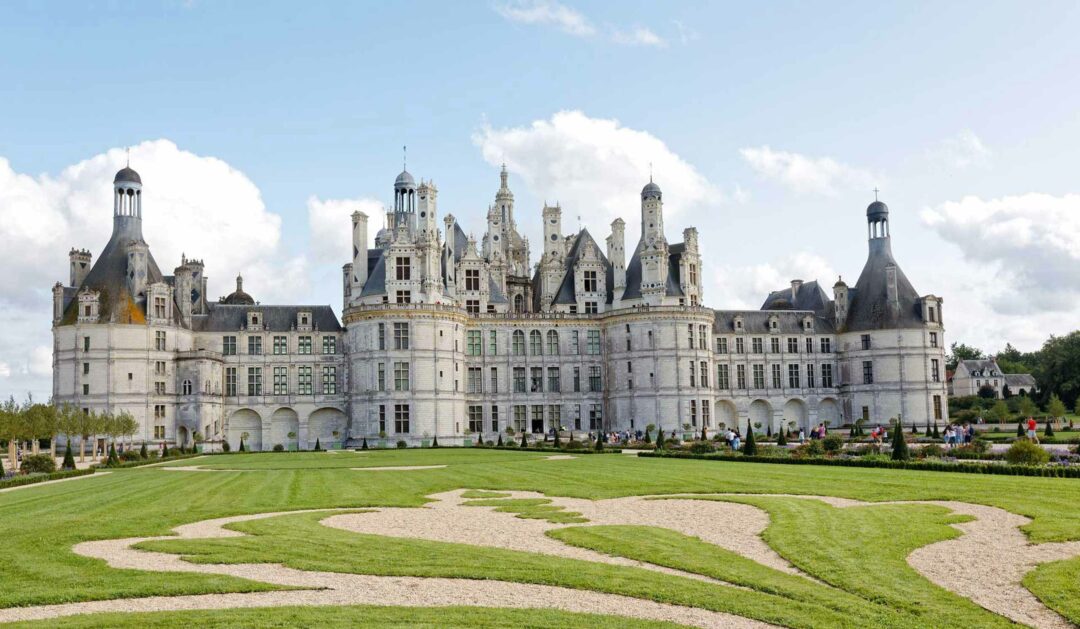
(351,617)
(531,508)
(1057,584)
(858,551)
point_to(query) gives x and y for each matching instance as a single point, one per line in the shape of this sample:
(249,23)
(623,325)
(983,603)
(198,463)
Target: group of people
(958,435)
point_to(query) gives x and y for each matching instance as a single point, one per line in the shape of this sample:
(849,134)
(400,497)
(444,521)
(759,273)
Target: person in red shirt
(1031,430)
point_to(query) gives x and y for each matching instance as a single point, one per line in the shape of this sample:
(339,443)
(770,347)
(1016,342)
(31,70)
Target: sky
(258,128)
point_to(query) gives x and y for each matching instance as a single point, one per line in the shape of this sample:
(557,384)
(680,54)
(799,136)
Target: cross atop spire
(650,172)
(875,193)
(128,161)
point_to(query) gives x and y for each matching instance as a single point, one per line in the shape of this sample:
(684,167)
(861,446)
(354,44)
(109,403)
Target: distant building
(972,375)
(444,334)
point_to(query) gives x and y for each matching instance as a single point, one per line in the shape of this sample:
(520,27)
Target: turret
(183,283)
(405,203)
(553,245)
(137,253)
(652,213)
(840,303)
(80,265)
(616,254)
(127,204)
(58,302)
(426,195)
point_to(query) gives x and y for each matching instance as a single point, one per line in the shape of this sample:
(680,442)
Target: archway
(284,422)
(761,413)
(322,424)
(794,414)
(182,436)
(245,423)
(829,412)
(726,414)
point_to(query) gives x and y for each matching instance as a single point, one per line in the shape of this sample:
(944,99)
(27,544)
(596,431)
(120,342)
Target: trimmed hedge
(150,461)
(581,450)
(19,481)
(928,466)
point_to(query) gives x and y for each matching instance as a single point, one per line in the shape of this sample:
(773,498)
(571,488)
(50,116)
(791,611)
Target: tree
(524,441)
(435,441)
(318,446)
(241,449)
(12,428)
(648,432)
(750,446)
(781,440)
(143,454)
(499,443)
(599,441)
(987,392)
(69,460)
(1020,428)
(928,433)
(1049,430)
(126,425)
(660,439)
(113,460)
(67,421)
(960,351)
(1006,392)
(937,433)
(900,450)
(999,411)
(1028,407)
(1055,407)
(1057,368)
(40,422)
(87,426)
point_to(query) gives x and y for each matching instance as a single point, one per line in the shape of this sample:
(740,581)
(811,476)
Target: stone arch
(795,412)
(761,412)
(245,421)
(282,422)
(829,412)
(519,303)
(725,415)
(182,436)
(323,423)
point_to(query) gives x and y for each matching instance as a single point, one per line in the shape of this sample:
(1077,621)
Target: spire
(404,157)
(239,283)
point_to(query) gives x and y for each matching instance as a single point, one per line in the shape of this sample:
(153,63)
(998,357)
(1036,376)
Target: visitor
(802,435)
(1032,429)
(735,441)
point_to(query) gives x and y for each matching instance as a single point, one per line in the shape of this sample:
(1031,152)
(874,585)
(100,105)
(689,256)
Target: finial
(128,161)
(650,172)
(875,193)
(404,157)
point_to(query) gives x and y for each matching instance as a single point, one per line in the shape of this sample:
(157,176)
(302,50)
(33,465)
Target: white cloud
(686,34)
(330,223)
(804,174)
(5,370)
(963,150)
(637,36)
(547,12)
(193,204)
(595,168)
(747,286)
(1029,244)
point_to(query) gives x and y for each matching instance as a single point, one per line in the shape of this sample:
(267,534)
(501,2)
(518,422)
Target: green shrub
(402,444)
(113,460)
(558,444)
(225,447)
(38,464)
(278,447)
(142,451)
(572,444)
(318,445)
(814,447)
(900,450)
(931,450)
(599,447)
(832,443)
(69,460)
(750,446)
(130,455)
(435,441)
(241,444)
(781,439)
(1026,453)
(701,447)
(965,416)
(1049,431)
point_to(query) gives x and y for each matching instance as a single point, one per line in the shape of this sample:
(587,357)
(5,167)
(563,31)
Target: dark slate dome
(238,297)
(650,190)
(404,180)
(127,174)
(877,210)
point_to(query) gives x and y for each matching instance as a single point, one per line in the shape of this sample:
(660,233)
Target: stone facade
(444,336)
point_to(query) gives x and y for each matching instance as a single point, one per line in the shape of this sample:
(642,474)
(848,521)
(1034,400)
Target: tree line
(33,422)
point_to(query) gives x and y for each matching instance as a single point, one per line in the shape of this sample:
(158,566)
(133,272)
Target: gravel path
(350,589)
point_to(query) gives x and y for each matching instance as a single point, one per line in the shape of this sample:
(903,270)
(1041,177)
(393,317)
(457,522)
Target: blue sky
(777,119)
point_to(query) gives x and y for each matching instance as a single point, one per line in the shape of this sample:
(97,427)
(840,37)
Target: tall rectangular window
(793,345)
(536,379)
(494,385)
(591,307)
(495,419)
(774,345)
(381,377)
(810,376)
(493,343)
(159,307)
(402,268)
(329,345)
(721,346)
(935,370)
(254,380)
(740,345)
(228,345)
(403,297)
(474,342)
(555,416)
(759,376)
(593,340)
(554,384)
(537,417)
(254,345)
(704,412)
(86,343)
(329,380)
(472,279)
(703,337)
(476,418)
(519,379)
(303,381)
(159,341)
(933,339)
(518,345)
(577,379)
(809,345)
(865,341)
(777,377)
(536,343)
(575,342)
(755,345)
(382,419)
(281,380)
(230,381)
(596,417)
(740,376)
(474,380)
(868,372)
(793,376)
(690,336)
(826,375)
(723,377)
(595,382)
(303,345)
(401,418)
(575,416)
(519,418)
(590,281)
(472,306)
(401,336)
(826,346)
(382,336)
(693,374)
(937,407)
(401,376)
(281,345)
(704,375)
(693,412)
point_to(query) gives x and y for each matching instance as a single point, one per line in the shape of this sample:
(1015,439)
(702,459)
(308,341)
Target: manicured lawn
(859,552)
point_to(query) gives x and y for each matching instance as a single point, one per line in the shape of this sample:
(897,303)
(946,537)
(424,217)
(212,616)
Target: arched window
(519,343)
(553,342)
(519,303)
(536,343)
(185,388)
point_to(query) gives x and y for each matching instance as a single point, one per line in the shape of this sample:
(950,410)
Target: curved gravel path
(350,589)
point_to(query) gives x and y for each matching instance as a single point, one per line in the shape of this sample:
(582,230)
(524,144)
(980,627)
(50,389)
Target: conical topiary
(704,435)
(1019,429)
(524,439)
(599,441)
(113,460)
(750,446)
(768,430)
(914,430)
(1,469)
(318,444)
(558,443)
(499,442)
(660,439)
(928,430)
(142,451)
(937,433)
(241,448)
(363,444)
(648,437)
(479,440)
(1049,432)
(781,440)
(851,433)
(900,450)
(69,459)
(435,441)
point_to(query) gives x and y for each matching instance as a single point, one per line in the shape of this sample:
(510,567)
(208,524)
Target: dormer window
(739,323)
(303,321)
(774,323)
(255,320)
(808,324)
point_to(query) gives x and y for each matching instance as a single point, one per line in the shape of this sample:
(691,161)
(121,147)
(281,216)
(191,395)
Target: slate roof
(230,318)
(811,296)
(981,364)
(757,321)
(495,294)
(1020,381)
(567,290)
(869,309)
(633,272)
(376,281)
